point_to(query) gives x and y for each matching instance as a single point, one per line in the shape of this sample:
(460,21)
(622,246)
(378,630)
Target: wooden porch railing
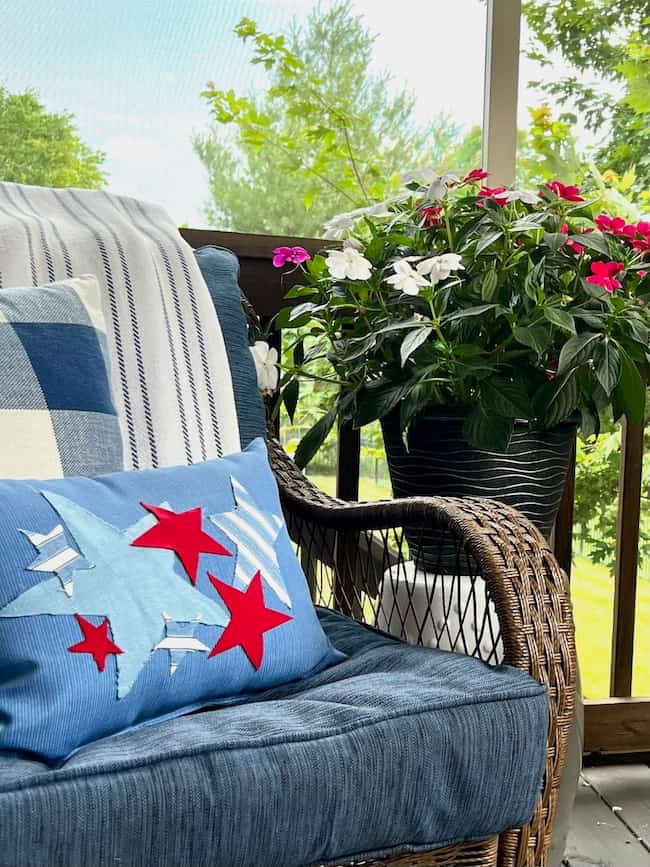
(617,724)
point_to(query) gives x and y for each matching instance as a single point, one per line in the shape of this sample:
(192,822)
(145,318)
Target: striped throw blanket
(171,379)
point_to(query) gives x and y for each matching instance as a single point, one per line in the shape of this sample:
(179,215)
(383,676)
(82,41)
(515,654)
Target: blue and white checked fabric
(171,378)
(57,415)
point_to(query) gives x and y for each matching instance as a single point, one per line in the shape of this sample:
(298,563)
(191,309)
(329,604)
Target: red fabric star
(182,533)
(249,619)
(96,641)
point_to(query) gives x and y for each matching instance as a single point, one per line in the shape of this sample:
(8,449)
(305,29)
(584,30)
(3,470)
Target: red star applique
(182,533)
(249,619)
(96,641)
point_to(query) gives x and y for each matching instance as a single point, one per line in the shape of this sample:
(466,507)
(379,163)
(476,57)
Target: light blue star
(136,588)
(255,533)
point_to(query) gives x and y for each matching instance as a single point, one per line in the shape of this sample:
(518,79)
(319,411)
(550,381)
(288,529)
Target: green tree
(605,45)
(327,131)
(43,148)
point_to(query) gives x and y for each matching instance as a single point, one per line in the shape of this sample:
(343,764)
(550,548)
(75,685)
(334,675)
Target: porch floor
(611,818)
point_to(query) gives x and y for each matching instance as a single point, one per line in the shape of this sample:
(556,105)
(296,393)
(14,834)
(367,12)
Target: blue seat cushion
(220,270)
(397,747)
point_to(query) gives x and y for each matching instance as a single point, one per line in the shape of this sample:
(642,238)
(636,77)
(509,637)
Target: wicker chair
(347,549)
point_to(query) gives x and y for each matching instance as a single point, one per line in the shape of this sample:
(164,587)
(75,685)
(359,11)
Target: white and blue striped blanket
(171,378)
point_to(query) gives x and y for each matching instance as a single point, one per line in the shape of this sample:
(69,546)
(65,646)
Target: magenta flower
(296,255)
(604,274)
(615,225)
(577,248)
(475,175)
(568,192)
(497,194)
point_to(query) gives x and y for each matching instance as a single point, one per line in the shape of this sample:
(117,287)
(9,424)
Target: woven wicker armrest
(356,542)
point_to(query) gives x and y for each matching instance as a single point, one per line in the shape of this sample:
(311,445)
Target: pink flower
(643,227)
(615,225)
(641,244)
(494,193)
(604,222)
(642,273)
(569,192)
(431,216)
(573,245)
(475,175)
(604,274)
(282,255)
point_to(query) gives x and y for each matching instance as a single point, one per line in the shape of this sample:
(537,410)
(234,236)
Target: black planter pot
(439,462)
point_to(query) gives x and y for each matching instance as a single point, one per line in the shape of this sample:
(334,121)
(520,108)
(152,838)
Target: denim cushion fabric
(56,408)
(396,747)
(142,595)
(220,270)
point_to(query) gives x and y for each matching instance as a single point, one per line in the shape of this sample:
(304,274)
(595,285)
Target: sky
(131,71)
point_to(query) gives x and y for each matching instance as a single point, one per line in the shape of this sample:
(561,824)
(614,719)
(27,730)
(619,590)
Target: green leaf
(469,311)
(412,341)
(560,318)
(486,240)
(534,280)
(489,285)
(317,266)
(411,404)
(376,400)
(554,241)
(314,438)
(310,197)
(375,250)
(534,336)
(593,241)
(299,352)
(290,397)
(607,365)
(399,326)
(301,309)
(577,350)
(300,292)
(557,400)
(629,394)
(502,397)
(487,432)
(348,350)
(589,422)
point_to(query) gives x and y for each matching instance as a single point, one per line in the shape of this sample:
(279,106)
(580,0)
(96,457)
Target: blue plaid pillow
(142,595)
(56,411)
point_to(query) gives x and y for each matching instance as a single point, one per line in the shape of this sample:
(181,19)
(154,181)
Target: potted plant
(481,325)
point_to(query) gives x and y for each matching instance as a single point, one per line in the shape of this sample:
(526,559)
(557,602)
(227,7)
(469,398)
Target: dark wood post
(627,557)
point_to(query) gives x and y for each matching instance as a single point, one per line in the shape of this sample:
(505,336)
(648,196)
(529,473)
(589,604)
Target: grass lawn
(593,597)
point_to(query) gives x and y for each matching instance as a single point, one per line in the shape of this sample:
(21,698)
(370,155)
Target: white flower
(337,226)
(341,223)
(526,196)
(438,268)
(266,361)
(354,243)
(405,279)
(437,183)
(348,263)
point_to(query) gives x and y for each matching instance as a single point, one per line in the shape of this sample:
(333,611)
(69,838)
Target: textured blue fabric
(56,408)
(220,270)
(68,380)
(162,631)
(396,747)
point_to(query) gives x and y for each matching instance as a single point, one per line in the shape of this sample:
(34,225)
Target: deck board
(598,838)
(628,787)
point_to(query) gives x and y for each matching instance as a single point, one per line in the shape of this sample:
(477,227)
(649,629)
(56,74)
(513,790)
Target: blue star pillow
(139,596)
